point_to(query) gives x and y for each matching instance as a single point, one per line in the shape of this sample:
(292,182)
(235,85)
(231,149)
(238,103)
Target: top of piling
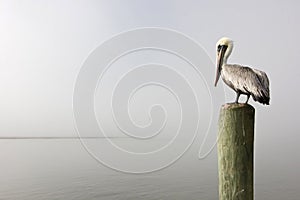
(233,106)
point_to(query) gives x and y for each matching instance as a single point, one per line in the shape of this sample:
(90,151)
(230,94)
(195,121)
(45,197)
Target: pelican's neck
(225,60)
(227,54)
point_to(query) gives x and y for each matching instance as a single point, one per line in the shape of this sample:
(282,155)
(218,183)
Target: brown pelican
(242,79)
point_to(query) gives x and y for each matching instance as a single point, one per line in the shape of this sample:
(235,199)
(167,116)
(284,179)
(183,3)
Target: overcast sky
(44,45)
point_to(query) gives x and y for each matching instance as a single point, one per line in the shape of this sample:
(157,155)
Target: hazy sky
(44,44)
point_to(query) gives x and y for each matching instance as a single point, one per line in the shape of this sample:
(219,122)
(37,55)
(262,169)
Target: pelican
(242,79)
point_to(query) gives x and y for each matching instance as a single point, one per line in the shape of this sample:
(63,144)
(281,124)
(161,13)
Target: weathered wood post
(235,152)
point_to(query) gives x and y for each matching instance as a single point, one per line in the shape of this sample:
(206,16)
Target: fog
(43,47)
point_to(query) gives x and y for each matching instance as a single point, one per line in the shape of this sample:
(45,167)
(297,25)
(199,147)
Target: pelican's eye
(222,46)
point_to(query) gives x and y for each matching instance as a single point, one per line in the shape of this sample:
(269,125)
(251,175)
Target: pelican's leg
(248,96)
(237,97)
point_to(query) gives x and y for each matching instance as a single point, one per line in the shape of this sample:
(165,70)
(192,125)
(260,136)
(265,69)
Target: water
(38,169)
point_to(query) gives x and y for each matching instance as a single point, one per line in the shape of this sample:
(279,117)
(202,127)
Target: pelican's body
(242,79)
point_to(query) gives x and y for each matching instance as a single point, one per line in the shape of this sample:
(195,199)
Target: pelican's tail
(261,92)
(262,97)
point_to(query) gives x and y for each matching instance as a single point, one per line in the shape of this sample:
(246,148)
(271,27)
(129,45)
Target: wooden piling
(235,152)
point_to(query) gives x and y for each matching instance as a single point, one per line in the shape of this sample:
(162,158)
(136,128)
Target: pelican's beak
(220,56)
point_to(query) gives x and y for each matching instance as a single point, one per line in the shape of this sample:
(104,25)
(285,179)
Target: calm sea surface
(37,169)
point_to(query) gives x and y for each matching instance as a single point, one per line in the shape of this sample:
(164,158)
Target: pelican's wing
(258,85)
(248,80)
(263,78)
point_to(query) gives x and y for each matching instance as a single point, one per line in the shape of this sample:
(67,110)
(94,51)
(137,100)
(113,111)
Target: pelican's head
(224,49)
